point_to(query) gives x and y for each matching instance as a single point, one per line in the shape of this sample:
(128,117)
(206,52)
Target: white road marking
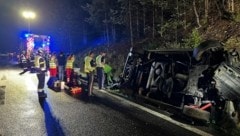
(185,126)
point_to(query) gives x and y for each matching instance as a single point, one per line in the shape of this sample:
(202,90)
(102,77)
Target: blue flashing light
(26,35)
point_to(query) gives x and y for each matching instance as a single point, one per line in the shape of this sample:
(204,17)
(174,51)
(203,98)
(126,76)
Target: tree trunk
(153,20)
(107,30)
(196,14)
(176,29)
(138,24)
(219,9)
(144,21)
(206,2)
(232,6)
(161,31)
(130,22)
(185,15)
(228,4)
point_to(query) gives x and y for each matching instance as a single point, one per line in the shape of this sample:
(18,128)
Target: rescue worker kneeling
(40,65)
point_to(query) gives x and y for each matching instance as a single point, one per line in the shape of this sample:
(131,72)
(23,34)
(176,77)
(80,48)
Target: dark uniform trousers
(41,79)
(101,77)
(90,77)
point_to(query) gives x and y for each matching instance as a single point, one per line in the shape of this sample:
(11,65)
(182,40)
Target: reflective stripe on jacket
(40,63)
(69,63)
(52,63)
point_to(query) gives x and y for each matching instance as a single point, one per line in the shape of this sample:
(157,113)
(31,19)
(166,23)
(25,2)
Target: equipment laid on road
(76,90)
(53,83)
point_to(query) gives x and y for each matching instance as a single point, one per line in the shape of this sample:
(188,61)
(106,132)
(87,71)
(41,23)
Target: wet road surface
(62,114)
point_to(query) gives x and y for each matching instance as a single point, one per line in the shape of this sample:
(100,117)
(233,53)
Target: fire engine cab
(33,42)
(30,44)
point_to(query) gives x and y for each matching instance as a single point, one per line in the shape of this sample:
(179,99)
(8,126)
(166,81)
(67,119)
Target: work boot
(42,94)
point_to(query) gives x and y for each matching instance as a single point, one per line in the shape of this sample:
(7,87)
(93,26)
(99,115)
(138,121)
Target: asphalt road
(62,114)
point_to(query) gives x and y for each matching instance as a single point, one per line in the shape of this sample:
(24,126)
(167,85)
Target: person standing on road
(23,62)
(53,66)
(61,63)
(40,65)
(69,67)
(100,61)
(89,67)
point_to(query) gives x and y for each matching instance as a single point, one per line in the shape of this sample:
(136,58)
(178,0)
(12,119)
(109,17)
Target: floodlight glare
(29,15)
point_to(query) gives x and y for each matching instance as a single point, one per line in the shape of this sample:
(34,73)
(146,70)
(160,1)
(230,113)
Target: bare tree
(232,6)
(176,27)
(196,13)
(153,18)
(185,15)
(138,27)
(144,10)
(206,3)
(130,21)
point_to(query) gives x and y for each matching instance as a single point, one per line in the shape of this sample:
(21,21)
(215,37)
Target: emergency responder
(40,66)
(108,71)
(23,59)
(100,61)
(53,66)
(23,62)
(89,67)
(61,64)
(69,67)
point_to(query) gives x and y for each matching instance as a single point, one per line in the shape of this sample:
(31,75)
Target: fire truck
(33,42)
(30,44)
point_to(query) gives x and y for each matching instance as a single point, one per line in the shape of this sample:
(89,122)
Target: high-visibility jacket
(100,61)
(69,63)
(87,64)
(52,63)
(107,68)
(40,62)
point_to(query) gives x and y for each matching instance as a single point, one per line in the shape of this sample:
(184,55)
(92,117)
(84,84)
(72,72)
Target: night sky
(8,27)
(13,25)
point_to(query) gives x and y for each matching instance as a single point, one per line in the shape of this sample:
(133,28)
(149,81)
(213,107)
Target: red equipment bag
(76,90)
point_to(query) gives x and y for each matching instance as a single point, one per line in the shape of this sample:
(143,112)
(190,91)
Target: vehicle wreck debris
(202,82)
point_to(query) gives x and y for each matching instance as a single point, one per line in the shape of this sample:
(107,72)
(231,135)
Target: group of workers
(59,64)
(61,67)
(90,65)
(99,66)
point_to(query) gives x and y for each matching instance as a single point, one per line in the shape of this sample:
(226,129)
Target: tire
(205,46)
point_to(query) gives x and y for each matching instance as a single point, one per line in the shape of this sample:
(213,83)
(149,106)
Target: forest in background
(152,24)
(118,25)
